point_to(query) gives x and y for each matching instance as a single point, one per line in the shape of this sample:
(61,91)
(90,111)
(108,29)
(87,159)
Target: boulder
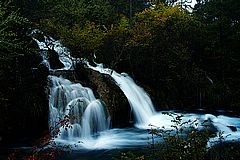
(105,89)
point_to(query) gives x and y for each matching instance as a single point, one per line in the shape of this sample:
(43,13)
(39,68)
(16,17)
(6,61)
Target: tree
(220,56)
(19,91)
(10,42)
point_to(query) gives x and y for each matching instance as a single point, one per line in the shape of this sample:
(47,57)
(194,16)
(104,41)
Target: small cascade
(92,120)
(138,99)
(74,110)
(85,114)
(48,43)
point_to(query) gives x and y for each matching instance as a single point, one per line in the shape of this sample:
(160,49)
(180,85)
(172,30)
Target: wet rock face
(113,98)
(54,60)
(233,128)
(68,74)
(105,89)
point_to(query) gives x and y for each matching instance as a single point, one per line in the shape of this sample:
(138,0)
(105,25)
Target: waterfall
(79,116)
(85,114)
(138,99)
(49,43)
(74,110)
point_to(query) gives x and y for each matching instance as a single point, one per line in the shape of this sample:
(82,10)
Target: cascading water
(138,99)
(90,122)
(146,115)
(74,110)
(49,43)
(85,113)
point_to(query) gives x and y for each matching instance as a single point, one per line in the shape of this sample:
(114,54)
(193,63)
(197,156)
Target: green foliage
(221,34)
(10,42)
(179,51)
(11,45)
(78,12)
(128,156)
(82,40)
(81,25)
(170,45)
(20,91)
(162,40)
(224,150)
(183,141)
(130,7)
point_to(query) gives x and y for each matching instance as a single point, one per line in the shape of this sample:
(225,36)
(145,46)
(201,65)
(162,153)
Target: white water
(87,114)
(146,116)
(138,99)
(89,128)
(50,43)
